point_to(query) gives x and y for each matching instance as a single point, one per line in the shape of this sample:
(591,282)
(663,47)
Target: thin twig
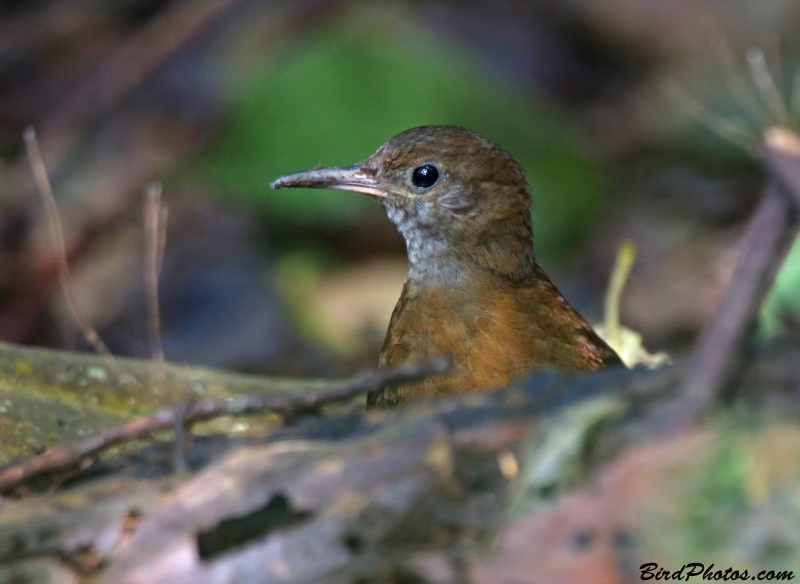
(289,404)
(56,230)
(155,219)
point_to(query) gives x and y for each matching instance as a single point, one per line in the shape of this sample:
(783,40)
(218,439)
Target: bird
(474,290)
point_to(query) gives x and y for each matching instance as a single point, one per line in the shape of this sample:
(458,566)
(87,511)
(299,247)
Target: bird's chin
(409,214)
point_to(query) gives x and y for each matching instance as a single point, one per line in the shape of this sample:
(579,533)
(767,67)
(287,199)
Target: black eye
(425,176)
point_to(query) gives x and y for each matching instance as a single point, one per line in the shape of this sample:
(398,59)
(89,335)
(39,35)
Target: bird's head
(451,192)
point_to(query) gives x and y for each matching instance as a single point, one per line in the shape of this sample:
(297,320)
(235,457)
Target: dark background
(611,105)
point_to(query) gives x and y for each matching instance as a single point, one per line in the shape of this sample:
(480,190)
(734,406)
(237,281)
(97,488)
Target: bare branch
(45,190)
(290,404)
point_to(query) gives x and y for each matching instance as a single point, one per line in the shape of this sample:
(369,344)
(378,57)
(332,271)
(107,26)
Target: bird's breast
(480,325)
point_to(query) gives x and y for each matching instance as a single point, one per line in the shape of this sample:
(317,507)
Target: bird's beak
(346,178)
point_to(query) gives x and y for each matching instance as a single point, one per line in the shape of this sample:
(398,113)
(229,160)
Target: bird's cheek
(457,204)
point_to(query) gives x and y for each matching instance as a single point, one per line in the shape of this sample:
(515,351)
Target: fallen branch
(289,404)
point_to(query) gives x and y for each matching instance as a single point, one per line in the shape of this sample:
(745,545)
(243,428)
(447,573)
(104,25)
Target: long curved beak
(346,178)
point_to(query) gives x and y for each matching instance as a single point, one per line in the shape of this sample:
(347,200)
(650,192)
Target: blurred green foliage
(719,500)
(345,91)
(784,298)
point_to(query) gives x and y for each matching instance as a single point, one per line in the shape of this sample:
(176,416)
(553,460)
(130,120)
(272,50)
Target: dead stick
(767,238)
(289,404)
(39,171)
(155,219)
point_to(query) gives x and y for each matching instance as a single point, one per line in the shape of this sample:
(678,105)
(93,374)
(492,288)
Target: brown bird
(474,290)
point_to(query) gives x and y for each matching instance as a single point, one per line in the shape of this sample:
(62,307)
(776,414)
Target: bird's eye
(425,176)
